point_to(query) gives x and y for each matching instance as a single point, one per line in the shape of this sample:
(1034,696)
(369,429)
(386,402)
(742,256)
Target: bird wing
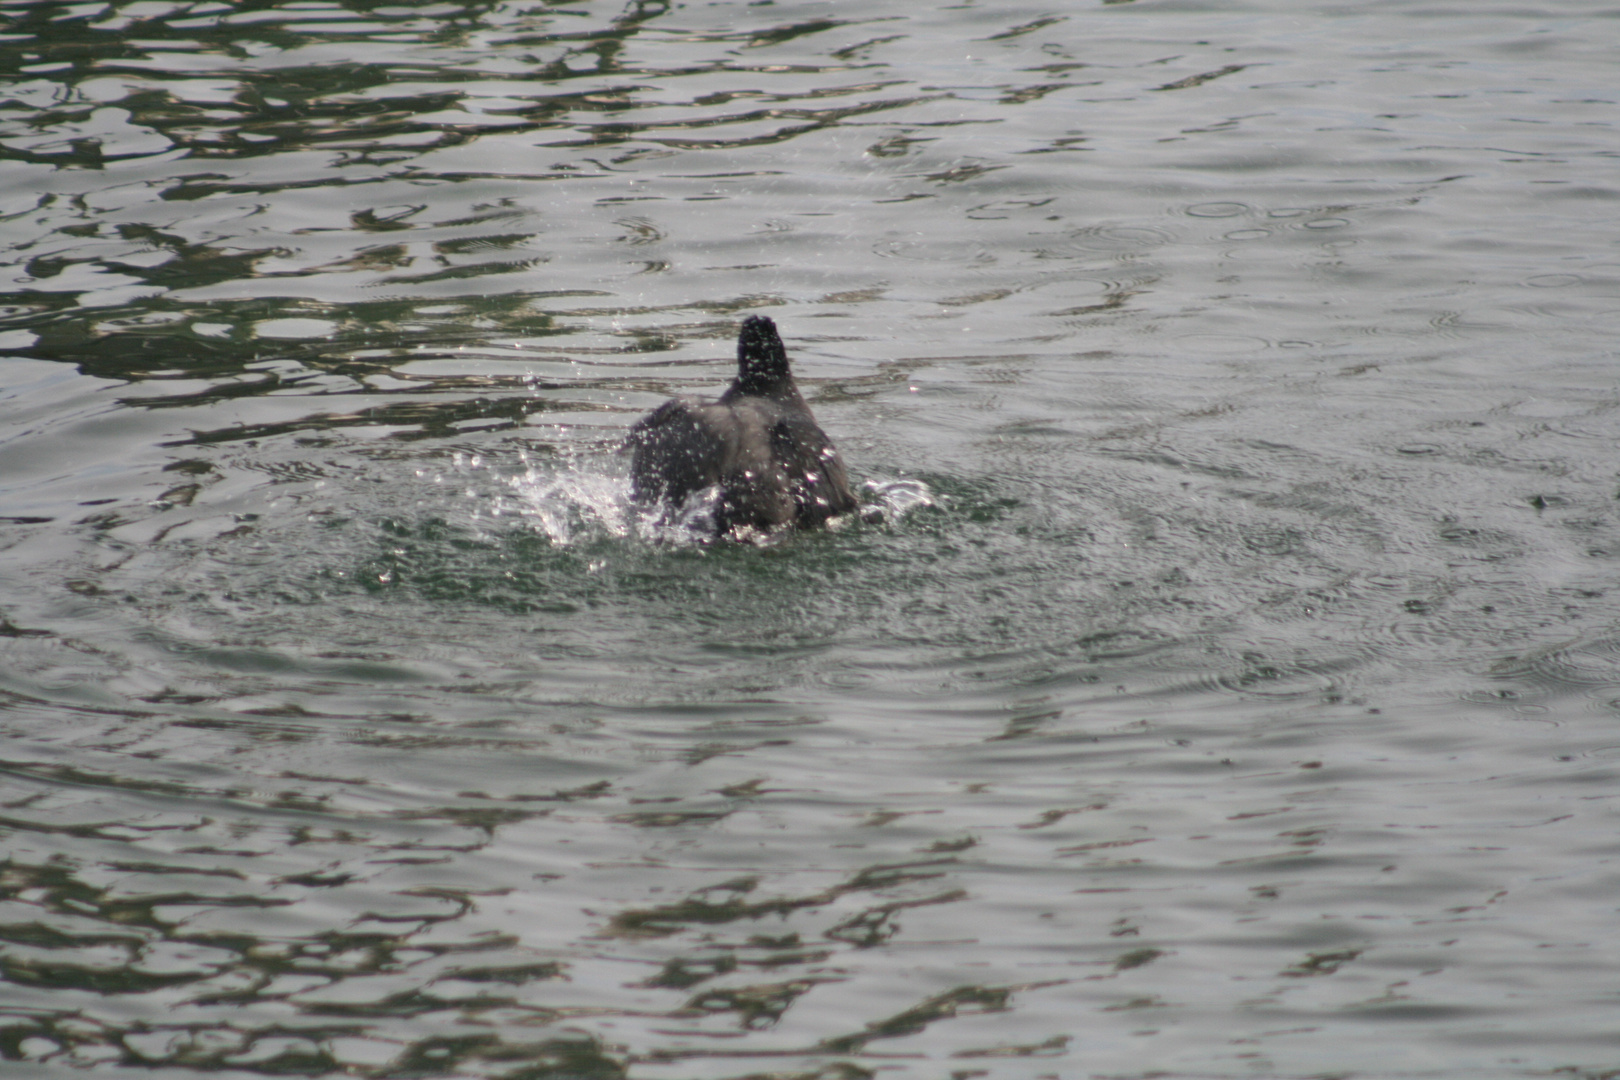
(674,452)
(815,471)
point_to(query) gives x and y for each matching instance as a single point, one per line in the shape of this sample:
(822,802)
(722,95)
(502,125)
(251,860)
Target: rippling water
(1226,684)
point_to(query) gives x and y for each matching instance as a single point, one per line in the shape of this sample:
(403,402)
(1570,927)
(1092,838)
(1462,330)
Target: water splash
(892,500)
(581,501)
(572,504)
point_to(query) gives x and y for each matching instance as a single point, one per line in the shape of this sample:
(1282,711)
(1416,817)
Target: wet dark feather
(758,444)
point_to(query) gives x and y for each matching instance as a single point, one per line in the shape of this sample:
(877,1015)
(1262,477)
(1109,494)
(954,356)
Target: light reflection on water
(1220,683)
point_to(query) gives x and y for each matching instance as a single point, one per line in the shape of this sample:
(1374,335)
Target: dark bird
(758,445)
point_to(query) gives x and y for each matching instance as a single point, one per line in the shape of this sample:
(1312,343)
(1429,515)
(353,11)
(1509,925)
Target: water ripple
(1235,599)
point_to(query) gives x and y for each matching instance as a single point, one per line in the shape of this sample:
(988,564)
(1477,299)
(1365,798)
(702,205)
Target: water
(1225,685)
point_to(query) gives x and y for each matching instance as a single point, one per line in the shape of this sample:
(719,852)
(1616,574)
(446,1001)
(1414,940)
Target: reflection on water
(1218,681)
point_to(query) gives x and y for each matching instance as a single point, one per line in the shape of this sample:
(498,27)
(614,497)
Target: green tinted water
(1228,689)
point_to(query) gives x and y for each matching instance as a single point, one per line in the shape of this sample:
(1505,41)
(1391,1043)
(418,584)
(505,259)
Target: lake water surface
(1228,687)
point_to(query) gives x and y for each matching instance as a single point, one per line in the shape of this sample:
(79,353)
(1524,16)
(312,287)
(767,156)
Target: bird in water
(758,445)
